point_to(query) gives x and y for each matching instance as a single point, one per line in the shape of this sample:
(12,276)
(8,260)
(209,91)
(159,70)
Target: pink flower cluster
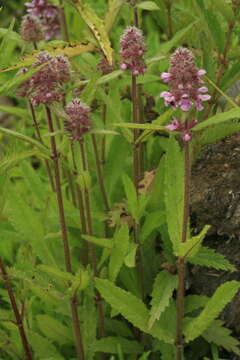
(48,15)
(132,51)
(185,82)
(184,128)
(79,119)
(45,86)
(31,28)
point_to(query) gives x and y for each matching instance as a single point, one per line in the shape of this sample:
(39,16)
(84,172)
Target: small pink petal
(186,137)
(199,107)
(203,89)
(171,127)
(164,94)
(165,76)
(123,66)
(135,73)
(201,72)
(204,97)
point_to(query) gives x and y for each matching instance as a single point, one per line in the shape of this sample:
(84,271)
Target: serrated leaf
(216,333)
(218,132)
(110,345)
(103,242)
(14,159)
(191,247)
(163,287)
(130,258)
(63,275)
(194,302)
(222,296)
(209,258)
(148,5)
(152,221)
(42,346)
(174,191)
(142,126)
(217,119)
(132,308)
(54,329)
(97,27)
(70,51)
(119,251)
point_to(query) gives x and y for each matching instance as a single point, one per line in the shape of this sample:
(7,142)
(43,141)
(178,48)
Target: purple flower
(48,15)
(79,119)
(132,51)
(103,66)
(45,86)
(184,80)
(31,28)
(183,128)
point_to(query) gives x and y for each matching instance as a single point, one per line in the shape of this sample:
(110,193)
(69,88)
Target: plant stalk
(92,250)
(64,22)
(103,155)
(67,256)
(169,16)
(18,317)
(181,261)
(39,137)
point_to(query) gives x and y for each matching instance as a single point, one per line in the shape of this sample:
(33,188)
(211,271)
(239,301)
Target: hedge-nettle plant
(48,15)
(31,28)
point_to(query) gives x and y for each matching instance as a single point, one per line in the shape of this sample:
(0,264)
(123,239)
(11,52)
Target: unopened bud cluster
(103,66)
(48,15)
(45,86)
(78,121)
(132,51)
(186,90)
(31,28)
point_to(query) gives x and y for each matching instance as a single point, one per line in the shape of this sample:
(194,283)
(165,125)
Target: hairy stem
(92,250)
(67,256)
(181,262)
(39,137)
(81,208)
(136,177)
(18,317)
(64,22)
(100,174)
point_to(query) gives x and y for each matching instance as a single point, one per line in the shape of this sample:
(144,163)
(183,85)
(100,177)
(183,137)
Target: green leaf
(222,296)
(97,26)
(174,191)
(217,119)
(131,195)
(15,158)
(112,13)
(208,257)
(218,132)
(106,243)
(163,288)
(142,126)
(110,345)
(42,346)
(191,247)
(152,221)
(27,139)
(216,333)
(130,259)
(54,329)
(13,110)
(132,308)
(148,5)
(119,251)
(63,275)
(194,302)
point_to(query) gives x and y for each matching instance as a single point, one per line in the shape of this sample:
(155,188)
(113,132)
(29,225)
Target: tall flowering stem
(67,256)
(18,317)
(77,124)
(187,93)
(132,51)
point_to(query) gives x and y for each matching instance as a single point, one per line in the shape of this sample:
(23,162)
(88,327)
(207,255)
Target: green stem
(67,256)
(181,261)
(18,317)
(169,16)
(103,156)
(39,137)
(92,250)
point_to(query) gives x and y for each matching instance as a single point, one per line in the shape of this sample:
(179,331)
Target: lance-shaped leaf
(97,26)
(217,119)
(70,51)
(163,287)
(132,308)
(119,251)
(112,13)
(174,191)
(191,247)
(222,296)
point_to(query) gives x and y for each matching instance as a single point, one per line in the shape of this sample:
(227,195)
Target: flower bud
(31,29)
(79,119)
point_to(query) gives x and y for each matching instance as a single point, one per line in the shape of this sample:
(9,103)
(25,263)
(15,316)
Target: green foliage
(213,308)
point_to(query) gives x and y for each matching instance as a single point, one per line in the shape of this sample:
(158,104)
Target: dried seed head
(184,80)
(31,28)
(48,15)
(132,51)
(79,119)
